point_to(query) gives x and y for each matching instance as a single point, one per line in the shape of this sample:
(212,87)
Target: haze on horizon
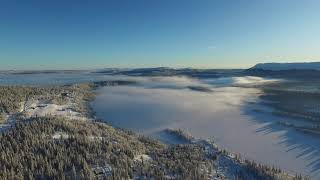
(83,34)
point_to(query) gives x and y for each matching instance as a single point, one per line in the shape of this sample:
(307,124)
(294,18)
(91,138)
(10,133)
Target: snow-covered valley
(228,114)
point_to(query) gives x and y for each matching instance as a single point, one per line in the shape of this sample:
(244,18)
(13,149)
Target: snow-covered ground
(41,108)
(143,157)
(223,113)
(35,108)
(60,135)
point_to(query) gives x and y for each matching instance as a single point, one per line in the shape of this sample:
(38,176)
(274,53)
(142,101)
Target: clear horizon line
(90,69)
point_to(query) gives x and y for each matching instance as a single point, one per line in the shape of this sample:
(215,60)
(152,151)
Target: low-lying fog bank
(225,108)
(226,112)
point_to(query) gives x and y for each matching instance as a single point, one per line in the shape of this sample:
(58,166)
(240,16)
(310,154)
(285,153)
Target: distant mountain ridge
(288,66)
(167,71)
(306,71)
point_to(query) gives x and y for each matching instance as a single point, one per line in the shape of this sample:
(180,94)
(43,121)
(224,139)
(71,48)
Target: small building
(102,172)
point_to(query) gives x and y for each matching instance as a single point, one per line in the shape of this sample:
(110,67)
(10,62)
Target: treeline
(258,171)
(296,104)
(173,162)
(28,151)
(253,170)
(181,134)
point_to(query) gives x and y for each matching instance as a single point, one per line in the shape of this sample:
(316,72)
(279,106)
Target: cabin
(102,172)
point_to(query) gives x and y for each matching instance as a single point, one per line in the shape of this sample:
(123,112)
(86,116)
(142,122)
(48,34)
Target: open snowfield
(41,110)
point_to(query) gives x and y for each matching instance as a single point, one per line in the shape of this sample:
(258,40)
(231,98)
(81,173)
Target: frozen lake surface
(226,113)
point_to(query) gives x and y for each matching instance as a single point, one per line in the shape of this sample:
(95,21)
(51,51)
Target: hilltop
(305,71)
(288,66)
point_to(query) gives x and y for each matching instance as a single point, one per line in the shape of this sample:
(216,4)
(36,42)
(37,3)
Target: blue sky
(81,34)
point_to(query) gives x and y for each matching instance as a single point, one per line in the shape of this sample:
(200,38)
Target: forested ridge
(29,151)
